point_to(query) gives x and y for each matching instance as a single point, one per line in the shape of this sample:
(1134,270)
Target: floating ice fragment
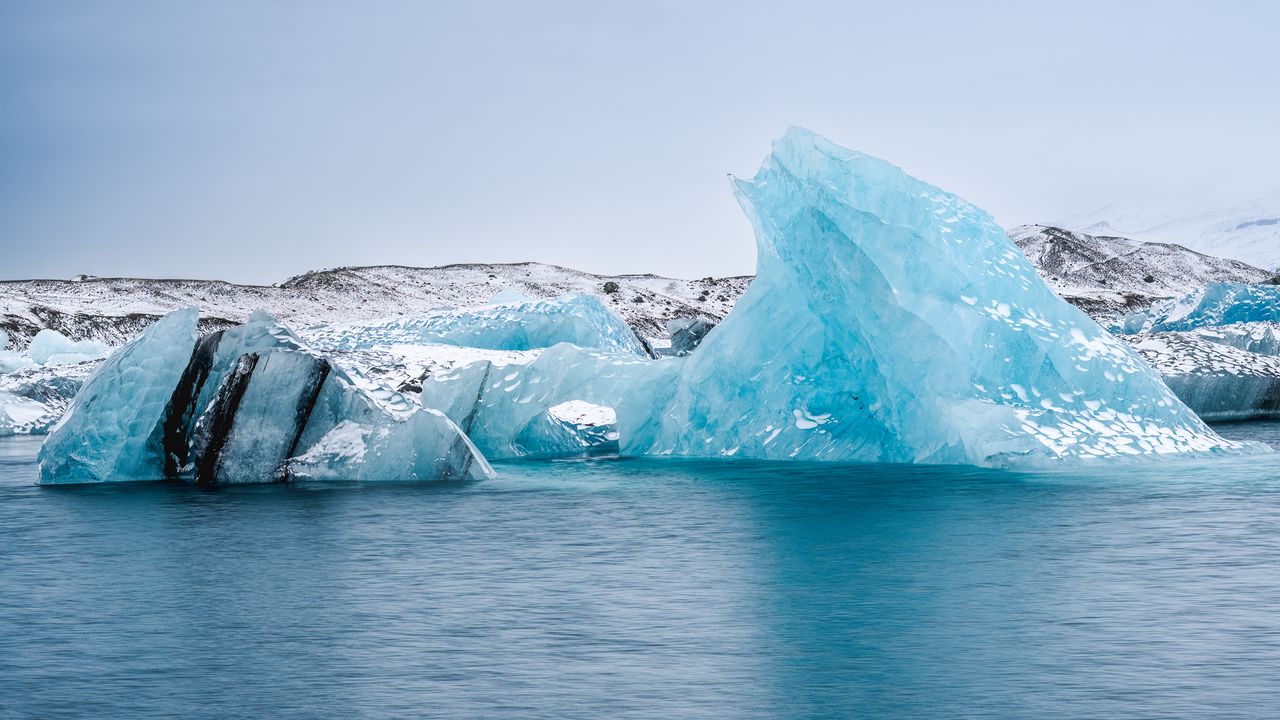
(50,347)
(249,404)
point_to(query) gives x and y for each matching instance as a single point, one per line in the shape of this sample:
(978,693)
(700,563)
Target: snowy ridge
(114,310)
(1109,277)
(1102,275)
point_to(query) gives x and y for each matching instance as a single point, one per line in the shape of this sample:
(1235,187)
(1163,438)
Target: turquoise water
(657,589)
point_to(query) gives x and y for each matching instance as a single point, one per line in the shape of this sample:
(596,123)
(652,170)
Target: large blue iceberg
(1218,304)
(889,321)
(245,405)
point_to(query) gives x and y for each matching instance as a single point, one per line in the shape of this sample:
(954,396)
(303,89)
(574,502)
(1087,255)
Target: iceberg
(107,432)
(41,394)
(424,446)
(582,320)
(508,295)
(50,347)
(1259,338)
(20,415)
(1220,381)
(686,334)
(12,361)
(889,321)
(249,404)
(1215,305)
(572,428)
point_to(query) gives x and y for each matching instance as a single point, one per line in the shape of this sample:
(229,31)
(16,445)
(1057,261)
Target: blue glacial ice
(107,433)
(249,404)
(50,347)
(20,415)
(511,324)
(686,334)
(568,429)
(1228,373)
(889,321)
(1218,304)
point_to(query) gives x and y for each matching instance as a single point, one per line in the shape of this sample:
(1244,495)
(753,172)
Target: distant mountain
(1110,276)
(1248,232)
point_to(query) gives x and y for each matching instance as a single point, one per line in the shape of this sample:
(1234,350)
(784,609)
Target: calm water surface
(656,589)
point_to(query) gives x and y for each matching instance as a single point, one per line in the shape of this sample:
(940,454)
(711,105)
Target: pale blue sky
(256,140)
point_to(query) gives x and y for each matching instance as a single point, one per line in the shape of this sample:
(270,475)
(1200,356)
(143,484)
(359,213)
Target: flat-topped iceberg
(20,415)
(510,324)
(889,321)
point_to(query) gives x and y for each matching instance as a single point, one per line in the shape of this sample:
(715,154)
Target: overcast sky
(257,140)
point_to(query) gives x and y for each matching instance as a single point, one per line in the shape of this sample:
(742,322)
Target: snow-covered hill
(1105,276)
(115,309)
(1108,277)
(1249,232)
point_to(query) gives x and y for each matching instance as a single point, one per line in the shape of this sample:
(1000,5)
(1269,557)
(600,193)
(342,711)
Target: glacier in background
(846,347)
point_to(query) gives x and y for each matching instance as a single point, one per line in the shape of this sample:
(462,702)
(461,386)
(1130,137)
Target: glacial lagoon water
(654,589)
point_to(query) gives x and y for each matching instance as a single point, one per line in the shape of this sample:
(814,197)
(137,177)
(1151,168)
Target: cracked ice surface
(889,321)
